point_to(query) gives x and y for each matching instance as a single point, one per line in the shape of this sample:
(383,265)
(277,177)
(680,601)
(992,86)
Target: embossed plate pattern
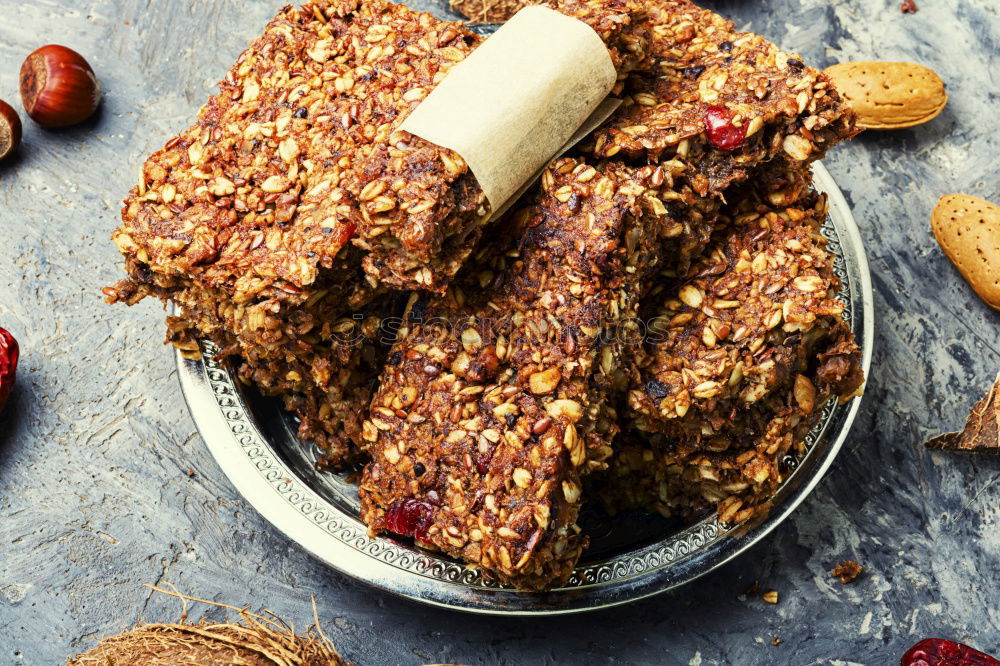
(254,444)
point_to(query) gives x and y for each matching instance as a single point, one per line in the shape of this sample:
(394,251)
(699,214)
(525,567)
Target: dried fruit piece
(982,428)
(8,364)
(10,130)
(968,230)
(722,133)
(942,652)
(890,95)
(409,517)
(58,87)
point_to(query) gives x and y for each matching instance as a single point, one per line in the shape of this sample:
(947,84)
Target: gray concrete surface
(94,499)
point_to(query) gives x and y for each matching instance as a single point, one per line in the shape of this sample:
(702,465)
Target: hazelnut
(58,87)
(10,130)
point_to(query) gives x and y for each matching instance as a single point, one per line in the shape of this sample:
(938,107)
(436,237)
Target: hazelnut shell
(58,87)
(10,130)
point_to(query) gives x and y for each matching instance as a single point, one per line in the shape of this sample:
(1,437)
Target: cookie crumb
(846,571)
(776,640)
(190,473)
(771,596)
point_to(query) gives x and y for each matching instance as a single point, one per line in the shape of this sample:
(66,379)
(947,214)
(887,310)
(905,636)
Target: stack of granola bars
(294,218)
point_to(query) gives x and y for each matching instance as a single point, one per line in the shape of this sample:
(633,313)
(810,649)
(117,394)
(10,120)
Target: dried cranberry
(409,517)
(941,652)
(483,461)
(721,131)
(8,365)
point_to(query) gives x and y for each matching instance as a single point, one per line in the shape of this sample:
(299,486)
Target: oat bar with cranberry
(330,386)
(712,107)
(722,100)
(742,354)
(265,190)
(494,402)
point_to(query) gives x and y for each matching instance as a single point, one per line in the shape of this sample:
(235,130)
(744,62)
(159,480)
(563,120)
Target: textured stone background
(94,500)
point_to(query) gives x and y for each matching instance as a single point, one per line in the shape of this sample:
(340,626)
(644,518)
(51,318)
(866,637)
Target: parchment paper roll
(519,99)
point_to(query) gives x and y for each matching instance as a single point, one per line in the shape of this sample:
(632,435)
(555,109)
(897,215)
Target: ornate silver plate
(254,444)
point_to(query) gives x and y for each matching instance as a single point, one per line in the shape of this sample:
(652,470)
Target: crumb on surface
(847,571)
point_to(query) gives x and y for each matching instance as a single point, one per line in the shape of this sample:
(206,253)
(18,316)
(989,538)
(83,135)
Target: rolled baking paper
(518,99)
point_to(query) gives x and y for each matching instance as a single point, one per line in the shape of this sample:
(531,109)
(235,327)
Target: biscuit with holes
(968,230)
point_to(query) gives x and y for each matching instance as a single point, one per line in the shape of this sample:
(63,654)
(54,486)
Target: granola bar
(743,352)
(494,402)
(721,100)
(690,108)
(271,183)
(329,385)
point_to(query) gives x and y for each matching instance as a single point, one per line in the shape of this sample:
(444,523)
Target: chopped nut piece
(846,571)
(545,381)
(770,596)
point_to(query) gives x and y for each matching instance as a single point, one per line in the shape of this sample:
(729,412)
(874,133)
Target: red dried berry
(409,517)
(941,652)
(721,132)
(8,365)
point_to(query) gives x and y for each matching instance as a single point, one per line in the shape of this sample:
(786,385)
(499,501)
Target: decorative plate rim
(261,475)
